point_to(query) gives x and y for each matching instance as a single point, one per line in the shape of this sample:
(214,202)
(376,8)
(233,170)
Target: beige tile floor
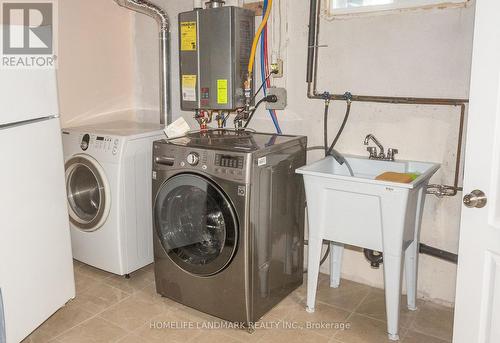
(109,308)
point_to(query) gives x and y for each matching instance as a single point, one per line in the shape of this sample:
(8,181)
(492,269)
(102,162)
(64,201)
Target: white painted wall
(96,70)
(414,53)
(147,65)
(417,53)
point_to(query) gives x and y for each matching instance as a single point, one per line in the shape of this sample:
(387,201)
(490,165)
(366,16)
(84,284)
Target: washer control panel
(226,164)
(230,165)
(105,144)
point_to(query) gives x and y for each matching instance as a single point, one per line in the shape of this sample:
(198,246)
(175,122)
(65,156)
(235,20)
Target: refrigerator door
(27,94)
(36,267)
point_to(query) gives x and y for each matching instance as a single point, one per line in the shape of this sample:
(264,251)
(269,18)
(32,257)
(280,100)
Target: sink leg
(393,267)
(314,257)
(411,272)
(412,255)
(336,252)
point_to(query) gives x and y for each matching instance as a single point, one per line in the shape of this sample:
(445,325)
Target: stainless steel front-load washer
(228,221)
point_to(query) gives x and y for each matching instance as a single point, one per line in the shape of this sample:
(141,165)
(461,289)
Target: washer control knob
(85,143)
(193,159)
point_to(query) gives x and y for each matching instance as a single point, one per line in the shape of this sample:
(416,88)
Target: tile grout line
(406,329)
(410,325)
(353,312)
(140,327)
(412,328)
(89,319)
(430,335)
(100,281)
(173,309)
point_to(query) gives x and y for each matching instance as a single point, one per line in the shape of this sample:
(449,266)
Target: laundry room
(249,171)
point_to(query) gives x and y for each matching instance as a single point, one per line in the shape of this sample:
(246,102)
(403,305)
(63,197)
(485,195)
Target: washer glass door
(86,188)
(196,224)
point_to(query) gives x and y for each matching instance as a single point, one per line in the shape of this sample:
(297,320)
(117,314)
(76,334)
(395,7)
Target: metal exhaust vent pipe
(161,17)
(215,3)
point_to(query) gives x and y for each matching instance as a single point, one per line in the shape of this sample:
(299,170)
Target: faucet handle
(391,153)
(373,151)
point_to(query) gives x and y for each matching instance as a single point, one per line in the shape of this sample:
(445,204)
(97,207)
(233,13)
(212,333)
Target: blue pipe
(272,113)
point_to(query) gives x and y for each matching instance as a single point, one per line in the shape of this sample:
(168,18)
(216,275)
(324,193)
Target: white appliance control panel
(109,142)
(103,144)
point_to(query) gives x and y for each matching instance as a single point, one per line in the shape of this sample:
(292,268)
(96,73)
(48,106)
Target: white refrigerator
(36,267)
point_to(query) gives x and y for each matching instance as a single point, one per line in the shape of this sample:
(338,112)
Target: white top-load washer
(108,182)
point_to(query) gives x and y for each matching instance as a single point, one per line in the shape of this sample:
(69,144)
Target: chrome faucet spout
(377,143)
(381,155)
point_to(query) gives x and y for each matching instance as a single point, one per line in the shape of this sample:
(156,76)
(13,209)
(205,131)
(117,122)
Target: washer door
(196,224)
(88,193)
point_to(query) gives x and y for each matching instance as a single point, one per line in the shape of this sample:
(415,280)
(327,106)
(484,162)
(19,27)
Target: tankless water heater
(214,45)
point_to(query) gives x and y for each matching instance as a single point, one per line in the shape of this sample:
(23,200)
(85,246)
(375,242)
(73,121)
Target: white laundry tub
(346,205)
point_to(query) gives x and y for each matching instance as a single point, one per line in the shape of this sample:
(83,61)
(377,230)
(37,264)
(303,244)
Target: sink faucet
(374,150)
(381,155)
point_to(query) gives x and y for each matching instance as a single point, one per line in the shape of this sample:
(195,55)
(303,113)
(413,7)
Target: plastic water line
(264,69)
(267,12)
(342,127)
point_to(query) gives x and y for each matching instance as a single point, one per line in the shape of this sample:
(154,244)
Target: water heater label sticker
(262,161)
(189,87)
(188,36)
(222,92)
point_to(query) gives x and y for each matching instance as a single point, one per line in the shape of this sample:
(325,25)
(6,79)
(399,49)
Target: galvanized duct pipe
(156,12)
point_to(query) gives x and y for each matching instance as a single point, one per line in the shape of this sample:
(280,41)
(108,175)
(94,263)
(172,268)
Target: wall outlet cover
(282,98)
(278,66)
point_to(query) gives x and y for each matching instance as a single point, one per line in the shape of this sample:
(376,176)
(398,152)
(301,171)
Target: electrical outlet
(278,67)
(282,98)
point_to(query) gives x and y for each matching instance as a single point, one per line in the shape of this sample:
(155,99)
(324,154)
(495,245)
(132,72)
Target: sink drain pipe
(161,17)
(376,258)
(438,253)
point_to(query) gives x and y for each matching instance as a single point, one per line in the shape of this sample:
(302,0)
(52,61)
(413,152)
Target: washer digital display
(229,161)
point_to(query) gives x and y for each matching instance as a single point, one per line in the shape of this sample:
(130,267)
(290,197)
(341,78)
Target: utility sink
(365,170)
(347,205)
